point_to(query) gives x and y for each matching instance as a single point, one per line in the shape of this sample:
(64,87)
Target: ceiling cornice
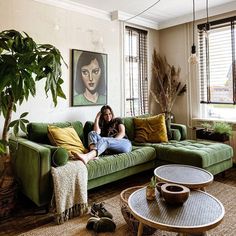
(73,6)
(227,7)
(122,16)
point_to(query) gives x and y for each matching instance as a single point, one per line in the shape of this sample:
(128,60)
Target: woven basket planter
(129,218)
(8,197)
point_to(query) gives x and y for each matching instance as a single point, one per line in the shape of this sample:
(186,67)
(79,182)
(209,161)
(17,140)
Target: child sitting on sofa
(108,134)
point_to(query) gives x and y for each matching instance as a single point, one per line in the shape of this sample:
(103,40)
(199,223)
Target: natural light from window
(221,76)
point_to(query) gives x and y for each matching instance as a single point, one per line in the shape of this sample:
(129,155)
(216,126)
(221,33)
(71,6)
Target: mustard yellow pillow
(66,138)
(151,129)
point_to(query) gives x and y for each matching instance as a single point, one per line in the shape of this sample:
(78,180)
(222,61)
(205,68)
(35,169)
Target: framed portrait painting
(89,78)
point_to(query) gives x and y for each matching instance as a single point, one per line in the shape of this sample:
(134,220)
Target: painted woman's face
(90,74)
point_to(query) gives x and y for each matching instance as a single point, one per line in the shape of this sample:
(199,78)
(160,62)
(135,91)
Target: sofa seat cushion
(107,164)
(191,152)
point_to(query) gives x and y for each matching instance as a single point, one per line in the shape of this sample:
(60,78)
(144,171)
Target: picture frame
(89,78)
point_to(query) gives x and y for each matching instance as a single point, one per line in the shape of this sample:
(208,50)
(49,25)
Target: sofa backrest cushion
(88,126)
(38,132)
(67,138)
(129,125)
(150,129)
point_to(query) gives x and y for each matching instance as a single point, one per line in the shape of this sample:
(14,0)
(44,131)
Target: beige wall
(175,43)
(68,30)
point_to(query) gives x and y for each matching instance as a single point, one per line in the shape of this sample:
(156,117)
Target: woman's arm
(121,133)
(96,127)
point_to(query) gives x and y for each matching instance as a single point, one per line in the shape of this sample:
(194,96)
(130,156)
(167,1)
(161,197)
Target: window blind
(217,69)
(136,82)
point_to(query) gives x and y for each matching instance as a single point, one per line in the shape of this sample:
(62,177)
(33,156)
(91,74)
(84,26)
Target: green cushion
(38,132)
(191,152)
(60,157)
(108,164)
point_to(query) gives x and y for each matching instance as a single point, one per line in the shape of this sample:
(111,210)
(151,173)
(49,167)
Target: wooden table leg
(140,229)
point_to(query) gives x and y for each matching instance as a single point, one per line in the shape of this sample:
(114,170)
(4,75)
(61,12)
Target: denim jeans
(113,144)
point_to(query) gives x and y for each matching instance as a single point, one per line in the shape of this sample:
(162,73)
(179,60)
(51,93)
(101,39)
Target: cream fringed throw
(70,190)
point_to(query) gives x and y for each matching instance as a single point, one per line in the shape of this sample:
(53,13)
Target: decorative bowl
(158,187)
(174,194)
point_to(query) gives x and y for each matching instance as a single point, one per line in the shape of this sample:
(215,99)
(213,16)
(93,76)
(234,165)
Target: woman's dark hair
(103,109)
(85,59)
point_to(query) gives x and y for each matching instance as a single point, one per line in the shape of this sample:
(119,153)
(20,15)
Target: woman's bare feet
(85,158)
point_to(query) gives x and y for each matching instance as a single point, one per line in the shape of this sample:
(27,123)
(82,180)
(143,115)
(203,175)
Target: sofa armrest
(32,165)
(182,129)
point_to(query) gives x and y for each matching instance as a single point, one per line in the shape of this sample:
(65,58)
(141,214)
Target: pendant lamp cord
(193,21)
(207,11)
(143,11)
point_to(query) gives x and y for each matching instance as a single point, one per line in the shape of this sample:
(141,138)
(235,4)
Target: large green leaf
(23,62)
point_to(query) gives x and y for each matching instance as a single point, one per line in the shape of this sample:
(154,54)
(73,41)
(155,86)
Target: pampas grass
(166,85)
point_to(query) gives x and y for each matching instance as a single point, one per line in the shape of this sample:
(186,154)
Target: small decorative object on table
(150,189)
(158,187)
(174,193)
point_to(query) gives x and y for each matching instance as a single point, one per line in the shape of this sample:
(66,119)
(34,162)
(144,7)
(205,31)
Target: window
(136,82)
(217,69)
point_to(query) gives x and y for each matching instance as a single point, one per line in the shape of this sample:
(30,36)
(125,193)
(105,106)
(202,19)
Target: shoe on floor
(104,224)
(98,209)
(91,222)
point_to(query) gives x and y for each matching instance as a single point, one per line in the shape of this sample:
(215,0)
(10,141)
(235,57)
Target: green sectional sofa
(32,157)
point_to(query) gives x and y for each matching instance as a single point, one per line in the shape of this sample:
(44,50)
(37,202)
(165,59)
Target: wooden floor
(28,216)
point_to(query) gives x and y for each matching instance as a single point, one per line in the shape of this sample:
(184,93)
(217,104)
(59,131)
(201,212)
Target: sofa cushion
(151,129)
(66,138)
(191,152)
(60,157)
(38,132)
(107,164)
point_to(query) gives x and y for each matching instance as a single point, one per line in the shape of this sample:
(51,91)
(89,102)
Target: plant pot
(8,199)
(210,135)
(150,193)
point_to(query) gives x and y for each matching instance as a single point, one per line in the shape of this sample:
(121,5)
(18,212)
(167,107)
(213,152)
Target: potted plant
(165,85)
(217,131)
(23,63)
(150,189)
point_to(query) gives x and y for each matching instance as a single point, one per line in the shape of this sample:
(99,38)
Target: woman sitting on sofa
(108,134)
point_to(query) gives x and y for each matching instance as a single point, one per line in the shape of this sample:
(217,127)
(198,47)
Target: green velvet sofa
(32,157)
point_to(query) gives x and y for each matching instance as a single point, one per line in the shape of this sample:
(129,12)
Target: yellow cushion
(151,129)
(66,138)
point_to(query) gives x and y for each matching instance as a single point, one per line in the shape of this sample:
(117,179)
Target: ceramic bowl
(158,187)
(175,194)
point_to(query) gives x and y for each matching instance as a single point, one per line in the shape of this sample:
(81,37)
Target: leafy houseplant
(23,62)
(166,85)
(150,189)
(217,131)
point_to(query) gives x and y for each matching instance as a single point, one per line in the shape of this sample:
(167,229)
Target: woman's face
(90,74)
(107,115)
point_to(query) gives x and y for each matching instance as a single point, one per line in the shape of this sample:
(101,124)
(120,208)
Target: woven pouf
(129,218)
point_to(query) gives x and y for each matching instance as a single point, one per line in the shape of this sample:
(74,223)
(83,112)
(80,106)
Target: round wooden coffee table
(189,176)
(201,212)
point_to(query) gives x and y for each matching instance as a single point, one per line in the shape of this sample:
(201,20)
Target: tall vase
(168,116)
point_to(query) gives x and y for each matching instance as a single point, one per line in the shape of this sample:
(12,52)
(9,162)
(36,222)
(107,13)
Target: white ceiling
(164,14)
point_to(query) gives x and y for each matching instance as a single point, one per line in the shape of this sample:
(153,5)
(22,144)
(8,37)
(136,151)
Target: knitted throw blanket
(70,190)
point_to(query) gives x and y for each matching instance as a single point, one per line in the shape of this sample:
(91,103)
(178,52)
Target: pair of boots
(101,220)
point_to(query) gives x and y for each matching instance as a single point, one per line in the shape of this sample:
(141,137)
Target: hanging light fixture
(193,59)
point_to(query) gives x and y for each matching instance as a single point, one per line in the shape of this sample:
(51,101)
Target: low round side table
(189,176)
(200,213)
